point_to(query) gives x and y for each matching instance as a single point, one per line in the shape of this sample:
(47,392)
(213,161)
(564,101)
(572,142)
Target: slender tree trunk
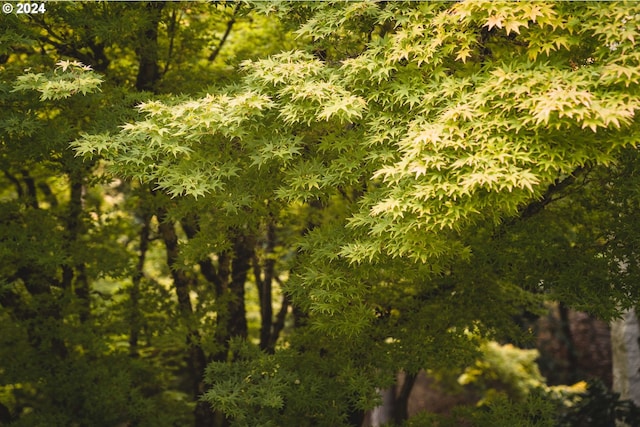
(15,181)
(395,402)
(240,265)
(32,197)
(569,342)
(74,275)
(222,316)
(148,67)
(220,278)
(225,36)
(383,414)
(625,346)
(401,404)
(197,361)
(134,293)
(264,283)
(278,324)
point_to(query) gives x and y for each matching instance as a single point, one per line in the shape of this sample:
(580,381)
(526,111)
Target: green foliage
(534,411)
(455,161)
(107,391)
(599,406)
(448,121)
(426,169)
(290,387)
(252,381)
(69,78)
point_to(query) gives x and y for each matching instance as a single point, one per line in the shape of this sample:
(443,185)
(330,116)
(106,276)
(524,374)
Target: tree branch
(558,186)
(32,196)
(171,32)
(15,181)
(232,21)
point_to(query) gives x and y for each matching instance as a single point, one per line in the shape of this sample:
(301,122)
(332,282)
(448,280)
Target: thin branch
(63,47)
(32,195)
(278,324)
(15,181)
(559,185)
(135,318)
(553,194)
(232,21)
(191,228)
(171,31)
(48,194)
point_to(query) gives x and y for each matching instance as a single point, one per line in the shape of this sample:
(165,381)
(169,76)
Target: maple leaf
(494,21)
(463,54)
(532,11)
(63,65)
(514,26)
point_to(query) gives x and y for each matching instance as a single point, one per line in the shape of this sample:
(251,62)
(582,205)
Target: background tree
(81,255)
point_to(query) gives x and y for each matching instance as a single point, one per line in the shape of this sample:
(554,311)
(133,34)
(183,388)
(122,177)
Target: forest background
(260,213)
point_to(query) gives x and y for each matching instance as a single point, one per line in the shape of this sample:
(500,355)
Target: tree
(425,134)
(77,251)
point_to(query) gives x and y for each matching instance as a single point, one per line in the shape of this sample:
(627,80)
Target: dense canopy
(275,207)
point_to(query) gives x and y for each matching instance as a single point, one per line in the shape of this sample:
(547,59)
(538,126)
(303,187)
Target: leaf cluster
(69,78)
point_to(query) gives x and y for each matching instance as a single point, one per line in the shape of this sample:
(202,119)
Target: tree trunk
(383,414)
(625,336)
(240,265)
(135,319)
(149,69)
(395,402)
(197,362)
(401,403)
(569,342)
(265,288)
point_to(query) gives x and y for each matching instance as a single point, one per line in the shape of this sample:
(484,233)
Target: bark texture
(625,336)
